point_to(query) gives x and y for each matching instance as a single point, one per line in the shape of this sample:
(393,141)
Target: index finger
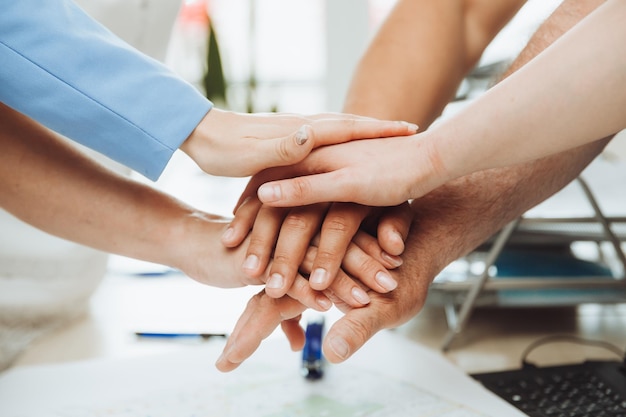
(310,189)
(261,317)
(338,228)
(344,129)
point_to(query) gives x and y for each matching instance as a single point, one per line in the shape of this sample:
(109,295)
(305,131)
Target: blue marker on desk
(312,359)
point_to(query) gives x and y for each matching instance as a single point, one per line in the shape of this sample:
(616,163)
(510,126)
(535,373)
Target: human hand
(376,172)
(263,314)
(239,145)
(195,249)
(290,232)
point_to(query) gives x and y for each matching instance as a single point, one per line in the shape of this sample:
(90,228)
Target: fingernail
(385,281)
(412,127)
(302,135)
(360,295)
(397,237)
(396,261)
(228,234)
(228,349)
(340,347)
(324,303)
(318,277)
(251,263)
(275,281)
(269,193)
(245,201)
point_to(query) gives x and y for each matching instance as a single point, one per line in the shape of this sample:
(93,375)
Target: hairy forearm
(420,55)
(454,219)
(563,19)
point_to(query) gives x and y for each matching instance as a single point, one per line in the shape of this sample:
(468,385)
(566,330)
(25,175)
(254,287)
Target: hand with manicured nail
(283,236)
(239,145)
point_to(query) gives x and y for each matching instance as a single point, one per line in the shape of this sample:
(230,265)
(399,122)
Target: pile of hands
(321,254)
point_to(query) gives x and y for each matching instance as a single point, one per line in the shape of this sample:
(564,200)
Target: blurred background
(246,55)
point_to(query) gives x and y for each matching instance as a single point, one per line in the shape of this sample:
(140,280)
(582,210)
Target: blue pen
(312,358)
(165,335)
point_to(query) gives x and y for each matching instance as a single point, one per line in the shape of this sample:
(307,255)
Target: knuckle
(301,289)
(338,224)
(371,267)
(301,188)
(325,257)
(284,151)
(281,259)
(296,221)
(361,332)
(365,263)
(257,244)
(288,309)
(342,287)
(256,301)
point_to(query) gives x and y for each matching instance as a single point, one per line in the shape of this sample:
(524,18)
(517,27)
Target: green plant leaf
(214,81)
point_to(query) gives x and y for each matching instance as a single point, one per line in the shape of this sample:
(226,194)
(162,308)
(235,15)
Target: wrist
(428,165)
(201,144)
(189,241)
(195,249)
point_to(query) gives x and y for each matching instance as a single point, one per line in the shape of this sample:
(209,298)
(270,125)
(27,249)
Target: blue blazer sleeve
(65,70)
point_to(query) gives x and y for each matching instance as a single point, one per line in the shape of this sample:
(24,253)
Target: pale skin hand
(572,93)
(378,172)
(238,145)
(569,95)
(290,233)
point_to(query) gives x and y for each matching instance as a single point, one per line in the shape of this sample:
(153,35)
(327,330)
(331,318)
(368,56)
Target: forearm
(454,219)
(50,185)
(420,55)
(570,94)
(462,214)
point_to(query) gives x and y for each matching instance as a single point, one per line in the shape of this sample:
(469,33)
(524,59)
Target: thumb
(309,189)
(350,333)
(287,150)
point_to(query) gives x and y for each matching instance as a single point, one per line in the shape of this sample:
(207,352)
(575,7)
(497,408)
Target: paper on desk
(389,377)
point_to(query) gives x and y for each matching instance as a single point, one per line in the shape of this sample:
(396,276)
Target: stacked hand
(330,241)
(264,313)
(238,145)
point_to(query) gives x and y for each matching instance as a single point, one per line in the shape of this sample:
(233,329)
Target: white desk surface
(493,340)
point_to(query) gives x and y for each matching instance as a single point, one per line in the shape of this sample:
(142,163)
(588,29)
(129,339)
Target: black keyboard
(589,389)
